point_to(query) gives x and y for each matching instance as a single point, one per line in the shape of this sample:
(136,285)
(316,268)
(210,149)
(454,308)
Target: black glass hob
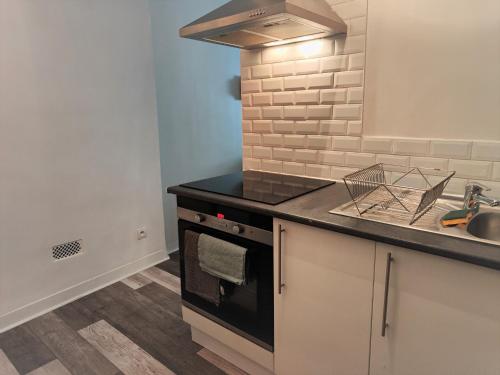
(264,187)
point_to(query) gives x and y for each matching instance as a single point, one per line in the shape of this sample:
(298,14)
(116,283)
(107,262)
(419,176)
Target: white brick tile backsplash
(356,26)
(272,112)
(251,86)
(296,112)
(319,112)
(247,151)
(357,61)
(351,9)
(251,164)
(296,83)
(319,142)
(250,57)
(350,45)
(331,157)
(294,141)
(377,145)
(451,149)
(302,108)
(298,169)
(403,161)
(411,147)
(349,79)
(260,152)
(355,95)
(284,126)
(307,66)
(282,154)
(319,81)
(334,63)
(307,97)
(412,180)
(246,126)
(275,140)
(471,169)
(338,173)
(455,186)
(265,98)
(246,100)
(317,170)
(284,69)
(486,151)
(262,71)
(284,98)
(307,127)
(251,113)
(333,127)
(347,111)
(262,126)
(306,156)
(334,96)
(246,73)
(312,49)
(277,54)
(354,128)
(346,143)
(272,166)
(496,171)
(272,84)
(426,162)
(251,139)
(359,159)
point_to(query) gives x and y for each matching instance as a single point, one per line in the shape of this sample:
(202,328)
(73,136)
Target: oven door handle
(281,284)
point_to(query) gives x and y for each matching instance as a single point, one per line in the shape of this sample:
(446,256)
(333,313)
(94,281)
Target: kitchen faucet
(474,196)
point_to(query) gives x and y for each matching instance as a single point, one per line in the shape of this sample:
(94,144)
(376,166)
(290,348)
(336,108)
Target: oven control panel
(228,226)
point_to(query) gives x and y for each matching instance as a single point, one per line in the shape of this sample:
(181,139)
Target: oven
(247,309)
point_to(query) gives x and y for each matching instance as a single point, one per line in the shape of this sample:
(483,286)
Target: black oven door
(248,310)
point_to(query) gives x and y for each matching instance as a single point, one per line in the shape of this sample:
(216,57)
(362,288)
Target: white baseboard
(49,303)
(170,251)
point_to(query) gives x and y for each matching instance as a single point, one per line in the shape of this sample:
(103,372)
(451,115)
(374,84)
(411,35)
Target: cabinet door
(322,316)
(443,316)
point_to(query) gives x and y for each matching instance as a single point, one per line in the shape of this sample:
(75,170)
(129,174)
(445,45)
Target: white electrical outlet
(141,233)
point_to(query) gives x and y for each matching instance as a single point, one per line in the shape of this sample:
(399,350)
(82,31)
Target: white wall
(433,69)
(79,154)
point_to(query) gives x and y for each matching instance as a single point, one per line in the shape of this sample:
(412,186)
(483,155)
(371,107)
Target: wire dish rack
(412,193)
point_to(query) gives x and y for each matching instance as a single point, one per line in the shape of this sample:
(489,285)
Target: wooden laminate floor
(133,327)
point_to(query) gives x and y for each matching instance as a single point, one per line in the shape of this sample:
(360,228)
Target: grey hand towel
(198,282)
(222,259)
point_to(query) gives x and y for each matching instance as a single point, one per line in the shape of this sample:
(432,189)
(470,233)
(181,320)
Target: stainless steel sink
(485,225)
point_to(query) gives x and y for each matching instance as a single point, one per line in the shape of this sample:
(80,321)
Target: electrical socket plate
(141,233)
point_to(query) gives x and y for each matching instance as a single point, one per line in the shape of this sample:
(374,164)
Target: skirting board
(228,345)
(49,303)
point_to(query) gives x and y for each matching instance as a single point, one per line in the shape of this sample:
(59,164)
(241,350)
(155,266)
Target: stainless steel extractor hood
(250,24)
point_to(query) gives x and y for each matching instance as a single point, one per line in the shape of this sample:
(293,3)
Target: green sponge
(457,214)
(458,217)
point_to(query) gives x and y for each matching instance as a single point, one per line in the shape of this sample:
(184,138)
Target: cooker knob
(237,229)
(199,218)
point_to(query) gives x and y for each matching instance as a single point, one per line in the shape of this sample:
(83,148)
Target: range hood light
(288,41)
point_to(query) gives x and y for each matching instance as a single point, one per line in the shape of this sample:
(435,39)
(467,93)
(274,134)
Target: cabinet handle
(390,259)
(280,283)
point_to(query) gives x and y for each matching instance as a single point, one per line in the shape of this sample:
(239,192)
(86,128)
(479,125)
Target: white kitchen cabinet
(323,314)
(443,316)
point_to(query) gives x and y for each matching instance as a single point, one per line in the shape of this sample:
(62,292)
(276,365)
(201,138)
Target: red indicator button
(220,216)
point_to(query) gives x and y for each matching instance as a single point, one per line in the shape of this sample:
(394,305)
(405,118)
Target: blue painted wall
(199,111)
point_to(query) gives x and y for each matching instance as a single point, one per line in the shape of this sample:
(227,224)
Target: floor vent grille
(67,250)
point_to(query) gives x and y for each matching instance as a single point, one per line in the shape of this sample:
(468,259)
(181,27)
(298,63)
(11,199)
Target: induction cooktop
(263,187)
